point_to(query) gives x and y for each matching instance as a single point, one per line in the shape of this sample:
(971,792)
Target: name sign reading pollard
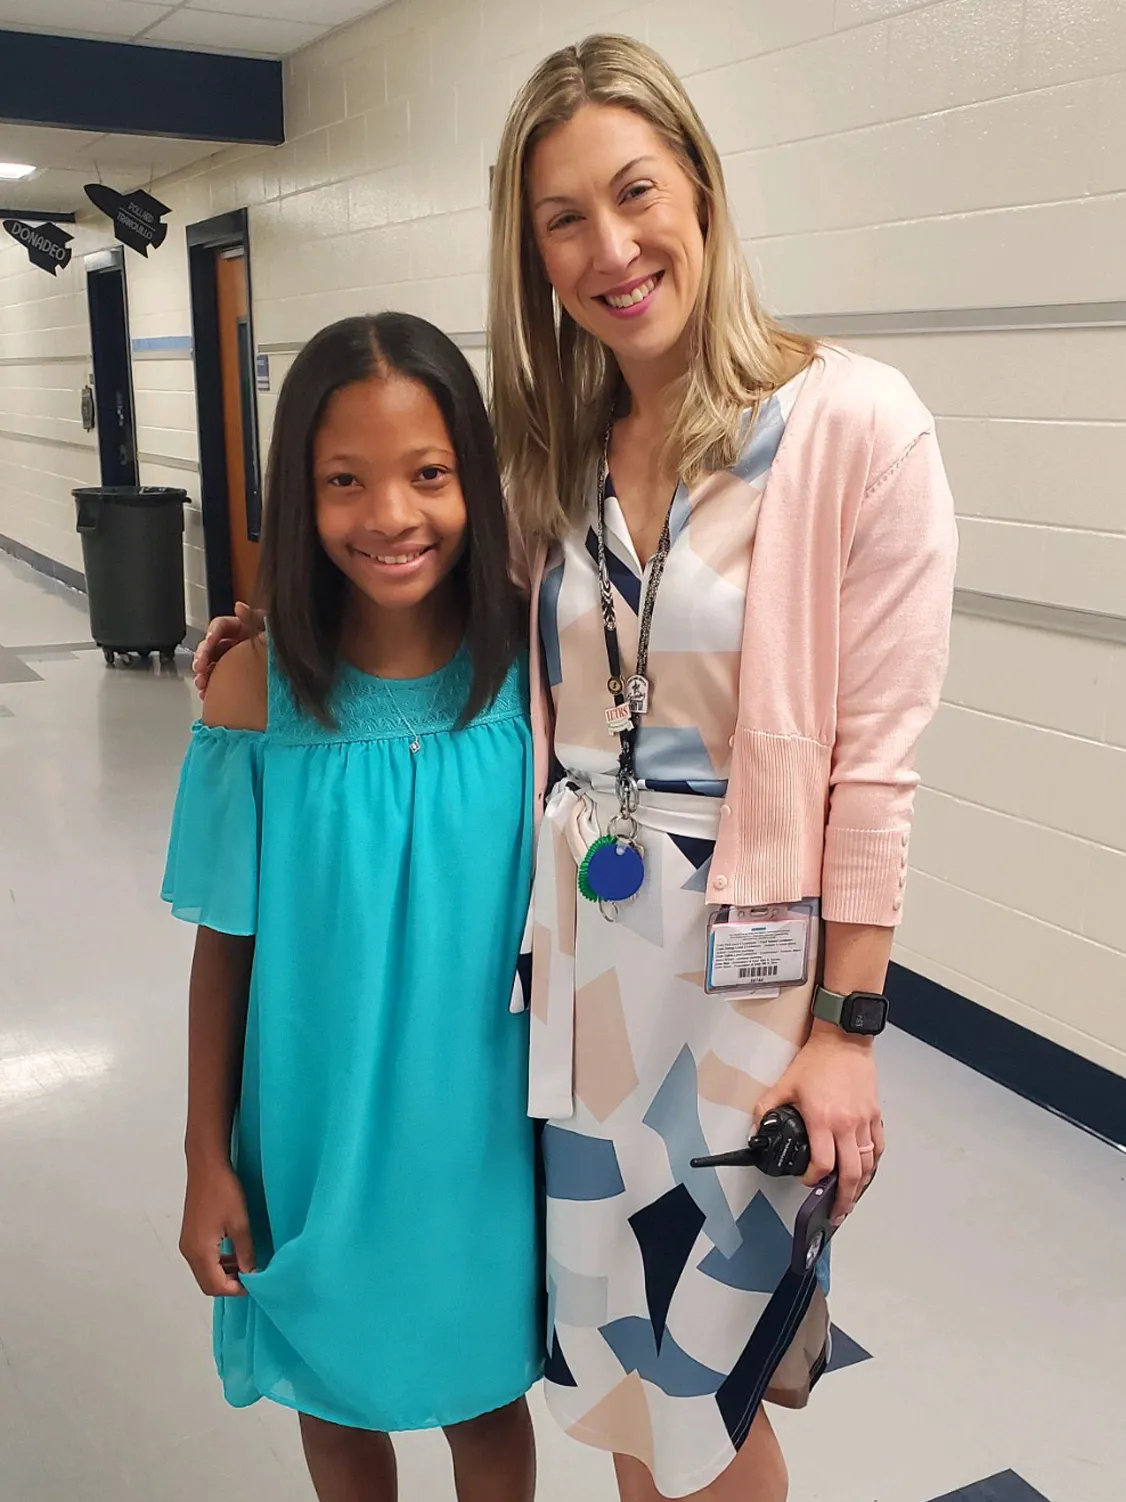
(47,246)
(136,216)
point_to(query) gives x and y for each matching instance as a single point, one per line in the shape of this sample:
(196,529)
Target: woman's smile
(635,298)
(617,223)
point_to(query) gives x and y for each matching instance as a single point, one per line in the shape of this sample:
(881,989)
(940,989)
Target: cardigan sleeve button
(726,810)
(721,883)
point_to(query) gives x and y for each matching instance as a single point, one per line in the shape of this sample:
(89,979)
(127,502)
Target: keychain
(613,869)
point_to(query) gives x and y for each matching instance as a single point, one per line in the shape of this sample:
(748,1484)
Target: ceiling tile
(251,35)
(228,27)
(52,192)
(329,13)
(43,147)
(74,158)
(119,19)
(143,153)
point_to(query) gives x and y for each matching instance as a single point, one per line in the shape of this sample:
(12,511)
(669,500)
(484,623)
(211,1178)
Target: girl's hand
(224,632)
(832,1082)
(215,1211)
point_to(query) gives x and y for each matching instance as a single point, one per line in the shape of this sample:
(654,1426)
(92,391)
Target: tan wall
(883,155)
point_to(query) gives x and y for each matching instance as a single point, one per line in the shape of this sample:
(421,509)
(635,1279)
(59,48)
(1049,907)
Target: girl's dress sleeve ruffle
(211,877)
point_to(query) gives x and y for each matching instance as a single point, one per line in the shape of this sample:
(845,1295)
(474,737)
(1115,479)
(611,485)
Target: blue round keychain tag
(612,871)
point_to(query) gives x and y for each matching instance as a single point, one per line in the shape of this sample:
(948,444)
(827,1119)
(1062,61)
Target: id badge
(758,951)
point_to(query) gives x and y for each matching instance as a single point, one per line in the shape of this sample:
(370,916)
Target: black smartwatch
(862,1012)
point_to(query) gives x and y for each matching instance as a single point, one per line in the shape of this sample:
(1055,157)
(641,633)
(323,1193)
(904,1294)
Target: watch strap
(828,1006)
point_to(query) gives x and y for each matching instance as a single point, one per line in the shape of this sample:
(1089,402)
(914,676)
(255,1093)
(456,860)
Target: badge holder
(757,952)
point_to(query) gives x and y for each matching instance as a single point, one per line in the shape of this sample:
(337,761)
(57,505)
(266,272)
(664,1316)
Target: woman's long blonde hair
(554,386)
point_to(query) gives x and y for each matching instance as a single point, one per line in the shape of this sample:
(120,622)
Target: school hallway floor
(980,1296)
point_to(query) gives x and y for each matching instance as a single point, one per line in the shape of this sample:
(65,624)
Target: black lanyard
(629,693)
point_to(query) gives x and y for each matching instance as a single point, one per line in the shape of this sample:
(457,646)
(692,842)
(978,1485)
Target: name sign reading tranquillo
(136,216)
(47,246)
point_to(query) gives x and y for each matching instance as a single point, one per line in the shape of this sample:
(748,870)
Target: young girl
(353,838)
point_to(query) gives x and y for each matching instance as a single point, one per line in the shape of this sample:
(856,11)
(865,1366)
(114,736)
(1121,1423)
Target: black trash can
(133,548)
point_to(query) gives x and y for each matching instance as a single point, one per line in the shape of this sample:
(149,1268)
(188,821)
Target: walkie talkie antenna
(743,1157)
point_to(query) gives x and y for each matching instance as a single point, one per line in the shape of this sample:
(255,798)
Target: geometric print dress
(664,1332)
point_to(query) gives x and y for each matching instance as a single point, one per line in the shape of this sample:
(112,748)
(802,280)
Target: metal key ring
(623,826)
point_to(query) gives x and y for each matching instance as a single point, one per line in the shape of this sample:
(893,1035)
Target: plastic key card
(757,951)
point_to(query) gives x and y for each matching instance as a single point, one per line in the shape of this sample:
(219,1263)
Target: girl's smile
(397,563)
(390,511)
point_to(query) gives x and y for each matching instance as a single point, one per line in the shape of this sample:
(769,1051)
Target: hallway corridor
(979,1292)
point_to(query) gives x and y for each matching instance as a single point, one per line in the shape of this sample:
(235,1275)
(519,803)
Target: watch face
(865,1012)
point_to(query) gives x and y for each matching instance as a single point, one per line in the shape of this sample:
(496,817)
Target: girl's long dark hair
(302,590)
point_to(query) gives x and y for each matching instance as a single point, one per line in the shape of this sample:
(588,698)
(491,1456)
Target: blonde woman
(739,547)
(741,550)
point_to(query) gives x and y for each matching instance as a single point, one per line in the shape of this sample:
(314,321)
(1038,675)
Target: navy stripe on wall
(1004,1051)
(1033,1066)
(132,89)
(73,578)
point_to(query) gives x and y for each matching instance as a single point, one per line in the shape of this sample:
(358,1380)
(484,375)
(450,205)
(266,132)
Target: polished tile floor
(981,1294)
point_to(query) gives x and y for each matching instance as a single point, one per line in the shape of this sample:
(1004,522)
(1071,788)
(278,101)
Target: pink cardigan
(845,643)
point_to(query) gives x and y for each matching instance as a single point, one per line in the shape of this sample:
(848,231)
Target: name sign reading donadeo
(136,216)
(47,246)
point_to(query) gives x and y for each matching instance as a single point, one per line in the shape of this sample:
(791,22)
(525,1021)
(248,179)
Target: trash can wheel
(110,656)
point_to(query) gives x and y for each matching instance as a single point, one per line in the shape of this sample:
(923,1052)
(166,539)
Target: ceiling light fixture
(15,172)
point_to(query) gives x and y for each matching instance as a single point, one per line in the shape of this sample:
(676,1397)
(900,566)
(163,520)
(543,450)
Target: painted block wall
(882,155)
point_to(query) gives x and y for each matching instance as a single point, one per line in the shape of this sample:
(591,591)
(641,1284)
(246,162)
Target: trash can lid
(132,495)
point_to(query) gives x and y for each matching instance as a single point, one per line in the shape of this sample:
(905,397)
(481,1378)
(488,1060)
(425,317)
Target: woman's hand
(215,1211)
(224,632)
(832,1082)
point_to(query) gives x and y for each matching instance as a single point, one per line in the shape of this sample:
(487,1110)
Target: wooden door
(238,378)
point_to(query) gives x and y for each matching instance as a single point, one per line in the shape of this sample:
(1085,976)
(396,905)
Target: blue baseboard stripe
(69,576)
(72,577)
(1035,1067)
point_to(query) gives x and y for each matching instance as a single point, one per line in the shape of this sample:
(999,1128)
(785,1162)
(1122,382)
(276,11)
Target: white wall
(44,363)
(882,155)
(1019,891)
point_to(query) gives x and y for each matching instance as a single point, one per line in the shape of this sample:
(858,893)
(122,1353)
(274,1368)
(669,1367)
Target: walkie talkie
(779,1149)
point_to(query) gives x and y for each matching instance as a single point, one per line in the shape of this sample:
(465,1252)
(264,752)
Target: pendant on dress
(416,746)
(637,694)
(613,870)
(619,717)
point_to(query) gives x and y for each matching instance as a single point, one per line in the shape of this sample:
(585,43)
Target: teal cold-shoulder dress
(381,1134)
